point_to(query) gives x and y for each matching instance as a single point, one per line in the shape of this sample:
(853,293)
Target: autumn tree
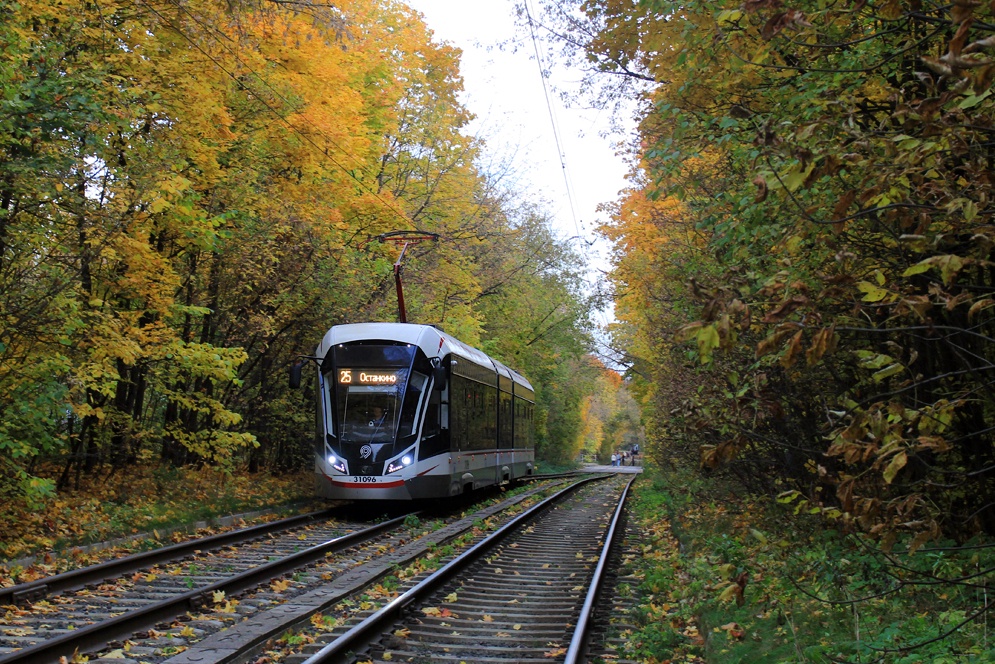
(85,295)
(843,211)
(189,197)
(536,317)
(612,417)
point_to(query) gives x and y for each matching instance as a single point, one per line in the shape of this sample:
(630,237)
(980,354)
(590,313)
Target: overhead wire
(566,174)
(552,119)
(242,85)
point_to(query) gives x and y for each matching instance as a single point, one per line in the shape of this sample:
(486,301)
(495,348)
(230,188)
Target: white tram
(408,412)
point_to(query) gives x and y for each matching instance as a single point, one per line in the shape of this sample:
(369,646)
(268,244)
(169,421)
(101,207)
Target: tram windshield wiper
(378,425)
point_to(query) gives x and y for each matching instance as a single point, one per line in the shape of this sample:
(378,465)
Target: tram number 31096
(364,479)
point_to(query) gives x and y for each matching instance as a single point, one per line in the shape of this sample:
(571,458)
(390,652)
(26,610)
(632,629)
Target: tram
(407,411)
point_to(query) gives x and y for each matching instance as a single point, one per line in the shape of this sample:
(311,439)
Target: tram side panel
(523,433)
(318,442)
(474,410)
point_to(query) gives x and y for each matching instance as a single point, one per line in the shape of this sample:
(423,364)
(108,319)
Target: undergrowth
(141,501)
(732,578)
(551,468)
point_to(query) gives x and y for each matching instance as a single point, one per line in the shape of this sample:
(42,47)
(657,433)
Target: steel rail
(578,644)
(80,578)
(372,627)
(99,634)
(554,476)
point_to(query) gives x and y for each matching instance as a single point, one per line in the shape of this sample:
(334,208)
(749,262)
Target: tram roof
(433,342)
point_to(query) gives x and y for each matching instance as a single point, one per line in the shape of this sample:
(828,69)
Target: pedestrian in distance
(614,459)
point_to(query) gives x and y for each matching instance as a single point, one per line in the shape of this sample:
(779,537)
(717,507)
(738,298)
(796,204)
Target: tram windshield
(377,397)
(370,413)
(379,412)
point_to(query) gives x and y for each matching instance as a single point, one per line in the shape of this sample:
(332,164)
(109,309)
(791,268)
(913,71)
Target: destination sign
(367,377)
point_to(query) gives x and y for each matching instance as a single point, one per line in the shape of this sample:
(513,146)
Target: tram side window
(472,421)
(461,416)
(527,433)
(521,425)
(468,415)
(504,420)
(490,415)
(411,410)
(475,416)
(474,425)
(432,414)
(479,432)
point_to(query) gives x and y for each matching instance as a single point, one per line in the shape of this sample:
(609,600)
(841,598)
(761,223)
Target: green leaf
(795,176)
(872,292)
(788,496)
(970,211)
(887,372)
(708,340)
(871,360)
(971,101)
(730,593)
(918,268)
(687,332)
(728,16)
(897,463)
(949,266)
(759,535)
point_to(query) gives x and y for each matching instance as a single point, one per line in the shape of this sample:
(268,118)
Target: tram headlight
(336,463)
(395,465)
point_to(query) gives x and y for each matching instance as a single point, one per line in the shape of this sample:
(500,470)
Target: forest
(802,278)
(803,285)
(190,196)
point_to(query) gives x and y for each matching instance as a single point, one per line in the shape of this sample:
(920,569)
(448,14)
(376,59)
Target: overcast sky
(504,90)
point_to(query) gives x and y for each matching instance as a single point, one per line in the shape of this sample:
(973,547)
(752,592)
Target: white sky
(505,91)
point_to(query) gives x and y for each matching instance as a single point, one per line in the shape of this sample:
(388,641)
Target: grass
(736,579)
(550,468)
(153,502)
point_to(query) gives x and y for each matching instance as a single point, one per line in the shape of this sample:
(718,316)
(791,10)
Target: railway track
(94,574)
(126,596)
(162,603)
(527,593)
